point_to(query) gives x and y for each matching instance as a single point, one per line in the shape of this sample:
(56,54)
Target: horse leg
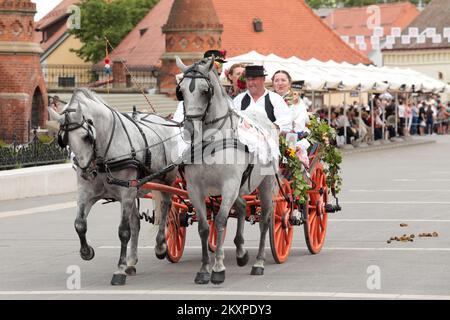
(135,226)
(120,275)
(163,206)
(229,195)
(204,275)
(266,190)
(241,252)
(84,207)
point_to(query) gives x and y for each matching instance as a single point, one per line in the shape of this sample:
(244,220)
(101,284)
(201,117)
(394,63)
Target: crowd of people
(420,115)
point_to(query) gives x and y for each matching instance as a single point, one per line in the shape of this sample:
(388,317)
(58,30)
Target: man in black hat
(259,99)
(219,58)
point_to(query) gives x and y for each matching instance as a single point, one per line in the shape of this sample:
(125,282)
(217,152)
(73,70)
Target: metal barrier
(35,153)
(72,76)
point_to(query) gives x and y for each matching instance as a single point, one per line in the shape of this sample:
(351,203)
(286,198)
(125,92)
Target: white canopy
(318,76)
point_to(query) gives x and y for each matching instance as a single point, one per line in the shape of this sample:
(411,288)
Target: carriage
(313,212)
(114,171)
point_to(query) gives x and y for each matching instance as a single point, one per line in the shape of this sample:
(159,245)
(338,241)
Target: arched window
(36,108)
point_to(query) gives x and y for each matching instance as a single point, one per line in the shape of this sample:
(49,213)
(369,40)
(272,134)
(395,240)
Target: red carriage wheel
(212,241)
(280,227)
(316,225)
(175,234)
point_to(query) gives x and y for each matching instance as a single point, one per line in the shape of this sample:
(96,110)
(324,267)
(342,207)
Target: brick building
(23,96)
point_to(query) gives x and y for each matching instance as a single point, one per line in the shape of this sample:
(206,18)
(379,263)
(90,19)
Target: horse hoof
(131,271)
(87,253)
(161,256)
(243,260)
(257,271)
(118,279)
(218,277)
(202,278)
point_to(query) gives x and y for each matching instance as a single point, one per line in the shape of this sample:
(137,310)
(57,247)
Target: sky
(43,7)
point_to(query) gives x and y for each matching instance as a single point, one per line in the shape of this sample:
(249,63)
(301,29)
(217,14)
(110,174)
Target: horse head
(196,90)
(77,131)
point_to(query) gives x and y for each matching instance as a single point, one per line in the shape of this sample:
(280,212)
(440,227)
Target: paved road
(381,190)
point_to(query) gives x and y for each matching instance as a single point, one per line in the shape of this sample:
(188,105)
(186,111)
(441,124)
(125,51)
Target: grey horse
(208,119)
(98,136)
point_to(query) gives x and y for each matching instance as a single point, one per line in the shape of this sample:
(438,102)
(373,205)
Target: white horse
(208,118)
(111,147)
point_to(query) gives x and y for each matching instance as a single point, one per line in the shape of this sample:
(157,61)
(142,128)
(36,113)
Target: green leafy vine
(322,134)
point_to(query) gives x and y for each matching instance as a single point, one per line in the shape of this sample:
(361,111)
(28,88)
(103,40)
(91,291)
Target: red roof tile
(354,21)
(146,49)
(290,29)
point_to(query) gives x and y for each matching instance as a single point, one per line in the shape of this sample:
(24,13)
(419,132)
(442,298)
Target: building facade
(23,94)
(425,44)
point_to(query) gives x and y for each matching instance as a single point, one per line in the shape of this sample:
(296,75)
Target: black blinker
(62,140)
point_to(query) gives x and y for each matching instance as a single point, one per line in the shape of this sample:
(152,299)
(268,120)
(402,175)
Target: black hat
(254,71)
(218,55)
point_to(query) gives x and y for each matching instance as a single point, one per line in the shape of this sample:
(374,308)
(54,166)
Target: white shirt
(401,111)
(281,110)
(178,116)
(300,117)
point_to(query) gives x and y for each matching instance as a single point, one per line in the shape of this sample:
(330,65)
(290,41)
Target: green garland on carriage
(322,134)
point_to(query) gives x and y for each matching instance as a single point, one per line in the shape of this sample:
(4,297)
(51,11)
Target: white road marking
(395,202)
(43,209)
(207,293)
(388,220)
(304,248)
(427,180)
(400,190)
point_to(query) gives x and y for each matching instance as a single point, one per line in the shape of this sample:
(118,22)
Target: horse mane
(88,94)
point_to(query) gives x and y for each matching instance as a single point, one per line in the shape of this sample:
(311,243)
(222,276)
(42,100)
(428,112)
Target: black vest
(268,105)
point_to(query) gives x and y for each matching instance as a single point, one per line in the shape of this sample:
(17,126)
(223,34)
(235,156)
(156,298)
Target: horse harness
(114,164)
(193,73)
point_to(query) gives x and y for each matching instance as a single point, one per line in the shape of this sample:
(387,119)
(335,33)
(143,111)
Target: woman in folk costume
(282,84)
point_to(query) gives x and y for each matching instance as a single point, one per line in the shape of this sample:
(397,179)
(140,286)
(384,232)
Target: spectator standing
(429,116)
(415,119)
(401,117)
(422,119)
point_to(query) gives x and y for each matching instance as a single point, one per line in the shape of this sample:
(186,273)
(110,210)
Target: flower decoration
(291,98)
(242,83)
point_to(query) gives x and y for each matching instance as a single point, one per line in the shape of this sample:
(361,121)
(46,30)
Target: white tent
(317,75)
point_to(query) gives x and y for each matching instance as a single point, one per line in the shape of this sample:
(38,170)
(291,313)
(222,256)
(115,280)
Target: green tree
(315,4)
(100,19)
(354,3)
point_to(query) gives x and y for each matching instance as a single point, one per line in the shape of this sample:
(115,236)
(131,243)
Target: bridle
(193,73)
(67,126)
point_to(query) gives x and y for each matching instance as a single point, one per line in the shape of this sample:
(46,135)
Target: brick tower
(23,96)
(192,28)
